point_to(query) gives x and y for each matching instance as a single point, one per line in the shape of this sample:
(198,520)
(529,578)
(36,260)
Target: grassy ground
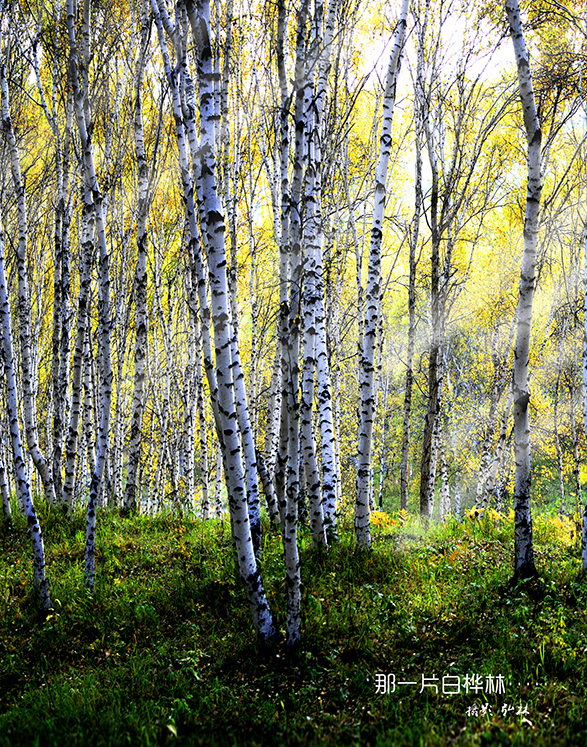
(165,654)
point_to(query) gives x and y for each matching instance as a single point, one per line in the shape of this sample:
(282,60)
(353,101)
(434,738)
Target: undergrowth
(164,652)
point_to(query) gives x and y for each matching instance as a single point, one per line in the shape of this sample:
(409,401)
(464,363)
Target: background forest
(280,282)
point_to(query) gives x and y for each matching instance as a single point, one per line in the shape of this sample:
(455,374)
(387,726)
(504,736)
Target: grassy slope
(165,652)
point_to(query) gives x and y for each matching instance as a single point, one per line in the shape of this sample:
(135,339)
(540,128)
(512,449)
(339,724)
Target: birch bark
(22,484)
(24,302)
(71,444)
(415,230)
(134,455)
(584,527)
(362,520)
(93,190)
(524,550)
(213,230)
(4,487)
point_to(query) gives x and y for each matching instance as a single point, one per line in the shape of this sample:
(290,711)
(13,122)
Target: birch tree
(584,527)
(373,291)
(22,484)
(24,302)
(524,549)
(419,104)
(211,222)
(94,202)
(130,496)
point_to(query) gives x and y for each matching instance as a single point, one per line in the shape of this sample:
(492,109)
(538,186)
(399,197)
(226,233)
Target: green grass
(165,653)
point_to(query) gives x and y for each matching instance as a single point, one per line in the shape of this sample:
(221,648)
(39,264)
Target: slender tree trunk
(4,488)
(201,420)
(71,445)
(61,301)
(39,580)
(213,230)
(24,302)
(362,521)
(584,528)
(404,467)
(559,455)
(429,444)
(575,443)
(218,483)
(138,405)
(524,550)
(273,412)
(291,355)
(284,264)
(93,189)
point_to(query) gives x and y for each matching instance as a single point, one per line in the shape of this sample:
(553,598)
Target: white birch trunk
(61,297)
(206,508)
(444,486)
(24,302)
(218,483)
(362,518)
(559,455)
(280,466)
(88,413)
(213,230)
(524,551)
(71,445)
(584,528)
(418,199)
(457,503)
(136,439)
(39,580)
(91,183)
(323,374)
(4,487)
(273,412)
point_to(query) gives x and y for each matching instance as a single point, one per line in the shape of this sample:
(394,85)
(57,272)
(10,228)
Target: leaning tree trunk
(362,520)
(524,550)
(213,229)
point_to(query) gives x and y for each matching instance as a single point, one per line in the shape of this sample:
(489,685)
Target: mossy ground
(164,653)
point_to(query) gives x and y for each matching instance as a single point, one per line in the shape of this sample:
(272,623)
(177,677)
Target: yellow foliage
(381,520)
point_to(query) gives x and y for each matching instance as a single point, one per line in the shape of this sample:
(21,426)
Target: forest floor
(164,653)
